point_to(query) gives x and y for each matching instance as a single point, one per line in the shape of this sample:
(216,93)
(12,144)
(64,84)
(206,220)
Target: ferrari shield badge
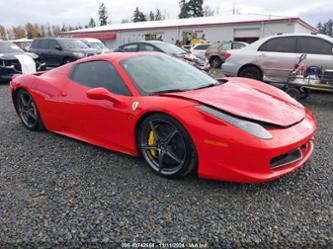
(135,105)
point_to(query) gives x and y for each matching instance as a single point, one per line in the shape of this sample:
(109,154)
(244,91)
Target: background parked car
(23,43)
(95,44)
(164,47)
(273,58)
(13,60)
(199,50)
(216,52)
(59,51)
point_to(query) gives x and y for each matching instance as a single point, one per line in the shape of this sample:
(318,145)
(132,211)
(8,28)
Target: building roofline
(267,20)
(307,25)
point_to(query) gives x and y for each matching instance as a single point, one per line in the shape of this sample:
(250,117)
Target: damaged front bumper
(7,71)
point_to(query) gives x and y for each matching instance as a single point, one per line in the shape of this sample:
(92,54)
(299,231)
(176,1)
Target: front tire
(28,111)
(166,146)
(251,73)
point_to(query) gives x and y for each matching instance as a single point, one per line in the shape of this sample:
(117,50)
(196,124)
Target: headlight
(248,126)
(79,54)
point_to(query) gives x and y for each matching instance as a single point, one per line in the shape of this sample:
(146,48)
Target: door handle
(63,94)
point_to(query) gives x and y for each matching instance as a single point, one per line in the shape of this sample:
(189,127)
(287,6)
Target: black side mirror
(58,47)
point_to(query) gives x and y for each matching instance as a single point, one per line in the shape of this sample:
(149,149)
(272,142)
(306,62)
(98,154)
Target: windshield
(7,47)
(72,44)
(214,45)
(170,48)
(99,45)
(159,73)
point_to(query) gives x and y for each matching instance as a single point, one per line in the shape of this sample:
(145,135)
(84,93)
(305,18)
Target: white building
(246,28)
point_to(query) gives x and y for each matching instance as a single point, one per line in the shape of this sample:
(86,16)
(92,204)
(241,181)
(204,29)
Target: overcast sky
(74,12)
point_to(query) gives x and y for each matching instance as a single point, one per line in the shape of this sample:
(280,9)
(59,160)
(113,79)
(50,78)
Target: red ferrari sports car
(178,118)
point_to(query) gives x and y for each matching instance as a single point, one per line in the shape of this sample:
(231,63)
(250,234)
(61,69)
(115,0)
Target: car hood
(12,56)
(249,99)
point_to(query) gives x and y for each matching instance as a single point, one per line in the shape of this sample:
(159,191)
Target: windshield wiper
(207,86)
(187,89)
(170,91)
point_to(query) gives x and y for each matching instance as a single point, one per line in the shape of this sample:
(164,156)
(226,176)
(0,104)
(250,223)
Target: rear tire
(294,93)
(251,73)
(305,93)
(215,62)
(166,146)
(28,111)
(67,60)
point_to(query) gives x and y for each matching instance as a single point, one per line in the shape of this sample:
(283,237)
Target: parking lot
(56,190)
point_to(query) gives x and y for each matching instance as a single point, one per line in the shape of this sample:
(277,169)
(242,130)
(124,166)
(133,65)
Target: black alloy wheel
(28,111)
(166,146)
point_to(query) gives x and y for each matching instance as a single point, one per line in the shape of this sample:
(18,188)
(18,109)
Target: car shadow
(135,167)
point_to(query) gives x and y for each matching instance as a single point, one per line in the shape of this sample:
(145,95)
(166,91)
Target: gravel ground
(58,192)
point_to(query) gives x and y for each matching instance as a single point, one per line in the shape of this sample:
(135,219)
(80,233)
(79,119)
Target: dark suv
(59,51)
(167,48)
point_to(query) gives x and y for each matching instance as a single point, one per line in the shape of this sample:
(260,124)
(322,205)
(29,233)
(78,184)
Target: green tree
(142,17)
(151,16)
(158,15)
(326,27)
(191,8)
(184,9)
(92,23)
(64,28)
(103,15)
(138,16)
(195,7)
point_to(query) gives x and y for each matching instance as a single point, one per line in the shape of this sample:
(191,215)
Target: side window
(99,74)
(44,44)
(201,47)
(130,48)
(281,44)
(52,44)
(226,46)
(35,44)
(311,45)
(237,45)
(147,47)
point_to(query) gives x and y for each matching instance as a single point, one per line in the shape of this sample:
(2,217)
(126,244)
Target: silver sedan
(273,58)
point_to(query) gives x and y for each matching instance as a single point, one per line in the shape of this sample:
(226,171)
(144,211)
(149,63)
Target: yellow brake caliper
(35,109)
(152,141)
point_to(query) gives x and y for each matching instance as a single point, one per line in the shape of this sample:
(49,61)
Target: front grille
(286,159)
(15,63)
